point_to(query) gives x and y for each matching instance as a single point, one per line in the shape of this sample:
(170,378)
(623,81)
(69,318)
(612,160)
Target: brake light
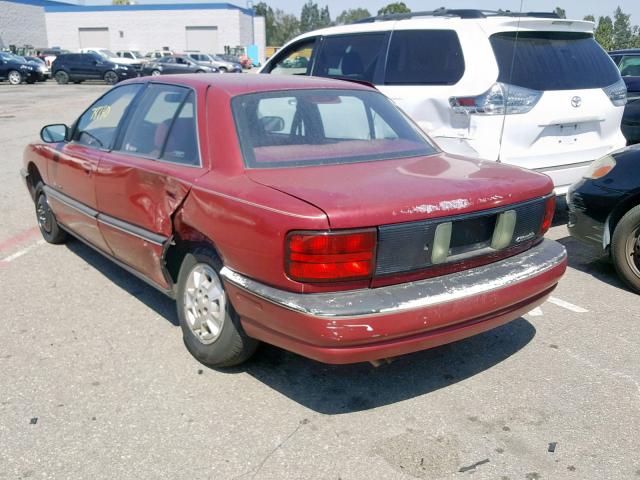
(617,93)
(500,99)
(549,210)
(330,256)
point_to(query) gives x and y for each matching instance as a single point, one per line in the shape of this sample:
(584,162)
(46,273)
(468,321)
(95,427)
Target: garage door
(204,39)
(94,37)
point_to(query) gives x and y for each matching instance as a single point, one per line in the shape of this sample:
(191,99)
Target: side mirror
(272,124)
(55,133)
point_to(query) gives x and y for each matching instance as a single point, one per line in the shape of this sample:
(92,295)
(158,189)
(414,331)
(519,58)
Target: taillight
(500,99)
(617,93)
(330,256)
(549,210)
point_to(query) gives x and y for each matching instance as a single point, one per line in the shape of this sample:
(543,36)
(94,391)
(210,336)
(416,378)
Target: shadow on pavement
(335,389)
(157,301)
(590,260)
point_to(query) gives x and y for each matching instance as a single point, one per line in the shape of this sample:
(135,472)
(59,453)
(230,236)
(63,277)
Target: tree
(622,32)
(313,18)
(590,18)
(325,18)
(286,26)
(121,2)
(263,10)
(560,12)
(352,15)
(604,32)
(396,7)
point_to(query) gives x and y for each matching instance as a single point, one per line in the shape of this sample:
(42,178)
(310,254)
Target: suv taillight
(500,99)
(617,93)
(549,210)
(330,256)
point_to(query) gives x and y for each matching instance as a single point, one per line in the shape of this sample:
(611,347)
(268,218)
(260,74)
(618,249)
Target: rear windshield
(552,60)
(323,127)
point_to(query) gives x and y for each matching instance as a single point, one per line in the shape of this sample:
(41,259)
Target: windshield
(136,54)
(106,53)
(323,127)
(552,61)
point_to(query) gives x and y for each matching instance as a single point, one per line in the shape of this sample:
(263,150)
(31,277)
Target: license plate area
(409,247)
(471,234)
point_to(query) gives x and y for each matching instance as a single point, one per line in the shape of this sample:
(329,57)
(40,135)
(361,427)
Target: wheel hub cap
(204,303)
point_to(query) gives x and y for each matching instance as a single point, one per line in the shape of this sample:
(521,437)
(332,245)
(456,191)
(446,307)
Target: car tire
(110,77)
(219,341)
(62,77)
(625,248)
(47,223)
(14,77)
(200,71)
(78,82)
(222,69)
(155,73)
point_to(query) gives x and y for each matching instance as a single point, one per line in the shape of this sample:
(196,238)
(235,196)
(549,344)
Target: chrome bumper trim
(413,295)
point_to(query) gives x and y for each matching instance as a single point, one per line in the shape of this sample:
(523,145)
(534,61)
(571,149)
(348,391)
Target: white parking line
(567,305)
(536,312)
(22,252)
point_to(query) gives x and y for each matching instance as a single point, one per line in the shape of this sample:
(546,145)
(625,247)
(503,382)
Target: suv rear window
(552,60)
(350,56)
(323,127)
(424,57)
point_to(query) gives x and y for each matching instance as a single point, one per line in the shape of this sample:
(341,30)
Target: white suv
(528,89)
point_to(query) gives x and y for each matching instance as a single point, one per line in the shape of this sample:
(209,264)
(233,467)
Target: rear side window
(323,127)
(350,56)
(98,125)
(552,61)
(424,57)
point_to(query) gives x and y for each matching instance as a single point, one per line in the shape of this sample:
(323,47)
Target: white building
(22,22)
(207,27)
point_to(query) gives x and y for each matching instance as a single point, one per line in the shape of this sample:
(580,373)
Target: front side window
(424,57)
(350,56)
(552,61)
(630,66)
(163,126)
(323,127)
(296,60)
(98,125)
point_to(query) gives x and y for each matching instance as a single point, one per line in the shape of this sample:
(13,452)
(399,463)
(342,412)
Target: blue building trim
(55,7)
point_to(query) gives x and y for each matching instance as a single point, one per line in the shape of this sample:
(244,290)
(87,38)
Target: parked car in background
(114,58)
(604,210)
(307,213)
(41,65)
(134,55)
(48,55)
(221,64)
(16,70)
(628,61)
(176,64)
(156,54)
(78,67)
(524,89)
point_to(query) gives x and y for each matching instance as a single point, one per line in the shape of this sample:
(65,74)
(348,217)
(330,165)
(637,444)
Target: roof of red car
(237,84)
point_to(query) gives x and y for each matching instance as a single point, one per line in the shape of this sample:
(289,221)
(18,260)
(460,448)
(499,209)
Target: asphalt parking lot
(96,383)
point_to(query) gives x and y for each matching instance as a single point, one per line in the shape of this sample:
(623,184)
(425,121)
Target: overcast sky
(575,8)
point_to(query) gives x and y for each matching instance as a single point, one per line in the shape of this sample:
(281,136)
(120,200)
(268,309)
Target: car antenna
(513,59)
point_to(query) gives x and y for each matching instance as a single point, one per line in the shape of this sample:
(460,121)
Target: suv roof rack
(460,13)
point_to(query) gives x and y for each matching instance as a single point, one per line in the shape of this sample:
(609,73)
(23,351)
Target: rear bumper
(369,324)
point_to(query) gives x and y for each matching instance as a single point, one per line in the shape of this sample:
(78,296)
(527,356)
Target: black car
(176,64)
(604,210)
(78,67)
(16,70)
(628,62)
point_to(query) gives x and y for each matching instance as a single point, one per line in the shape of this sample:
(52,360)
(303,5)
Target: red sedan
(307,213)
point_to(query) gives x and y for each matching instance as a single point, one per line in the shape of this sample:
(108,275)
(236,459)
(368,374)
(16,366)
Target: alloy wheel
(15,78)
(43,212)
(204,303)
(633,251)
(111,78)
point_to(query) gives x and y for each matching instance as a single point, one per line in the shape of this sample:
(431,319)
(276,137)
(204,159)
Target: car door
(73,165)
(3,69)
(183,65)
(169,65)
(142,182)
